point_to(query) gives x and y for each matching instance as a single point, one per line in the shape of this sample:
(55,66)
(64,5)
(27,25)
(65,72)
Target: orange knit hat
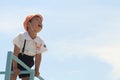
(29,17)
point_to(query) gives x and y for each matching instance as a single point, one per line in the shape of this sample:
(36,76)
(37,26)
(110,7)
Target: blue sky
(82,36)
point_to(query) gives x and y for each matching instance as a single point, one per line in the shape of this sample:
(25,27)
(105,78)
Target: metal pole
(32,75)
(40,78)
(8,66)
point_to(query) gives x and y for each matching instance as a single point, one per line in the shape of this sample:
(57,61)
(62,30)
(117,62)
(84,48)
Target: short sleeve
(16,41)
(43,48)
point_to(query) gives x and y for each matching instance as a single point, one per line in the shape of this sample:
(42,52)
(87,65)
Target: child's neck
(32,34)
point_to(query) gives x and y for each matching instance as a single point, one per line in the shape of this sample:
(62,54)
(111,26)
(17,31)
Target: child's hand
(37,73)
(16,71)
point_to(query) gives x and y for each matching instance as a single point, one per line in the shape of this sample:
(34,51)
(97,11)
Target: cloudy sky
(82,36)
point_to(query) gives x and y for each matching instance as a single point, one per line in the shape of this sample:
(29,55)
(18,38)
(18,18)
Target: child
(28,46)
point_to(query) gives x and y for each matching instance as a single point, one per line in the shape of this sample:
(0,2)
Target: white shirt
(32,46)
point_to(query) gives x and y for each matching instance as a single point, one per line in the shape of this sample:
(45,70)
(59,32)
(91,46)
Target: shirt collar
(27,36)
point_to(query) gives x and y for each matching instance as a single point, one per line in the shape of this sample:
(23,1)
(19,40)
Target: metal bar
(27,68)
(8,66)
(10,56)
(32,75)
(39,77)
(21,63)
(21,72)
(2,72)
(24,72)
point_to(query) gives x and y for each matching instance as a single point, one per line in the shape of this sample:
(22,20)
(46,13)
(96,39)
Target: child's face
(36,24)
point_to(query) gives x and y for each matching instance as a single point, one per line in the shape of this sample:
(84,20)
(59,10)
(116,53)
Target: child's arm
(38,58)
(16,51)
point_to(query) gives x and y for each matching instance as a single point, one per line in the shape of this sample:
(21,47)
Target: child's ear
(29,23)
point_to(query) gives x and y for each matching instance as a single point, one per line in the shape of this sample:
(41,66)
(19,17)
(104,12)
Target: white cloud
(108,53)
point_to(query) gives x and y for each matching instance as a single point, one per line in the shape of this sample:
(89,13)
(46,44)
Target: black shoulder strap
(24,46)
